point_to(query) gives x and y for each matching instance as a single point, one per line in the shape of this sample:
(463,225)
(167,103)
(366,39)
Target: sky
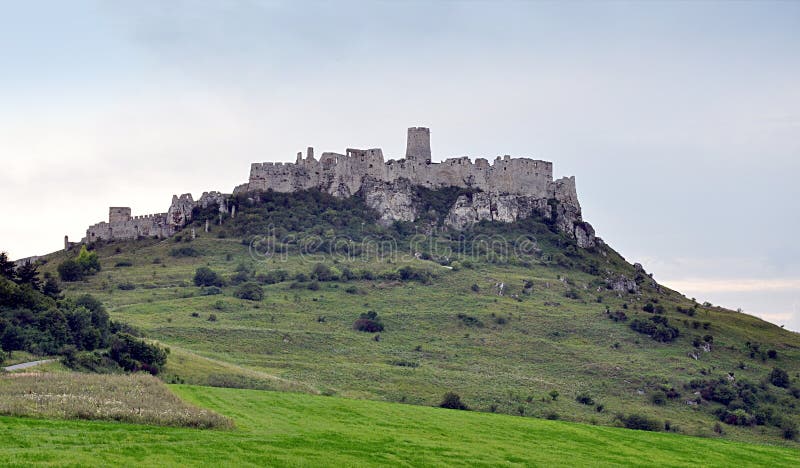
(680,120)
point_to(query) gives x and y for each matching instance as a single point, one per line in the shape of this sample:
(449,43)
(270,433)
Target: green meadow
(293,429)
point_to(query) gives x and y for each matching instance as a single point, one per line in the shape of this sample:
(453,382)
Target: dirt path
(26,365)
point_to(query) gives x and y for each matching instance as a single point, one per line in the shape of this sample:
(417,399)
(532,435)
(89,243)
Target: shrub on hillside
(69,271)
(181,252)
(210,291)
(452,400)
(272,277)
(322,272)
(470,321)
(409,273)
(584,399)
(205,276)
(368,322)
(250,292)
(657,327)
(75,269)
(572,294)
(641,423)
(779,378)
(659,398)
(133,354)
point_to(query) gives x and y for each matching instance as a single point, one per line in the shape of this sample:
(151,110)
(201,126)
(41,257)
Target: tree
(250,292)
(779,377)
(69,270)
(88,261)
(51,287)
(554,394)
(322,272)
(133,354)
(205,276)
(6,266)
(28,273)
(452,401)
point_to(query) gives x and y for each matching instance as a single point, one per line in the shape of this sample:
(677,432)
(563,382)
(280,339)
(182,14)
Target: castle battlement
(344,174)
(504,189)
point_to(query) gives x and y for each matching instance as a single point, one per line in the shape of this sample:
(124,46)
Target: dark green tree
(6,266)
(51,287)
(28,273)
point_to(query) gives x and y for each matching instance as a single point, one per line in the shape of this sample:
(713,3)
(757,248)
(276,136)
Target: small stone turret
(418,144)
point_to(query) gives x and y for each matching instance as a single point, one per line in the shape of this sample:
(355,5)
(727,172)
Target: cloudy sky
(681,121)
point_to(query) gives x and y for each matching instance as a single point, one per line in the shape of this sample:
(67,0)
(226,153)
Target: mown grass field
(524,348)
(293,429)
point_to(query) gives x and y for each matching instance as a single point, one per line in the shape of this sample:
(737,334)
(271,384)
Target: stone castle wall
(343,174)
(122,226)
(507,189)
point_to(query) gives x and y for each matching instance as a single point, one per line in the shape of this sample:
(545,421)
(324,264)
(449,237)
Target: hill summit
(507,190)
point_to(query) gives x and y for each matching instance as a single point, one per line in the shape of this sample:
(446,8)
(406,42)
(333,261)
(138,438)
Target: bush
(641,423)
(409,273)
(367,325)
(322,272)
(69,271)
(205,276)
(368,322)
(584,399)
(85,264)
(123,263)
(89,262)
(250,292)
(133,354)
(212,318)
(657,327)
(210,291)
(572,294)
(181,252)
(779,378)
(452,401)
(659,398)
(789,431)
(239,277)
(272,277)
(470,321)
(126,286)
(553,395)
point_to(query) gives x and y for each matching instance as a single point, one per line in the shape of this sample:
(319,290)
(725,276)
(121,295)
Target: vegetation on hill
(35,318)
(136,398)
(504,315)
(290,429)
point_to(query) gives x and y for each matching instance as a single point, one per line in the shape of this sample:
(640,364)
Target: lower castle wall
(133,228)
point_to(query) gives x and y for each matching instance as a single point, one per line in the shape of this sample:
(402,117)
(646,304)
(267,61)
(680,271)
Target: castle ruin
(504,190)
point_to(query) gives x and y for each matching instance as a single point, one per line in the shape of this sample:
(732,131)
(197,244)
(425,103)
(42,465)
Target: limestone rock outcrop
(394,201)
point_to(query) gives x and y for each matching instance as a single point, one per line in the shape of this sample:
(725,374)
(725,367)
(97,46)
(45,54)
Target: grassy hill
(555,325)
(293,429)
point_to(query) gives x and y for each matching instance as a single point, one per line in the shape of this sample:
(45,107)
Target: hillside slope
(503,315)
(285,429)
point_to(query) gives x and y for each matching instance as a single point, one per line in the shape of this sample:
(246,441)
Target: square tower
(418,145)
(118,214)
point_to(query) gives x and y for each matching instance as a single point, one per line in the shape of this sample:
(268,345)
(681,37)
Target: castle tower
(117,214)
(418,145)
